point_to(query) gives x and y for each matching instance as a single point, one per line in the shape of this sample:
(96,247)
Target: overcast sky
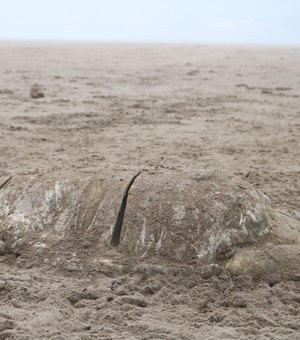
(191,21)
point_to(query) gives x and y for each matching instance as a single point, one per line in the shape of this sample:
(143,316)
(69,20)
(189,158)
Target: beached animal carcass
(188,217)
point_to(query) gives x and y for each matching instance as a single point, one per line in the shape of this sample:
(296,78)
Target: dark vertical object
(115,240)
(2,185)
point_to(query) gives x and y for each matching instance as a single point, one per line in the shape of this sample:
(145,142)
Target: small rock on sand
(36,91)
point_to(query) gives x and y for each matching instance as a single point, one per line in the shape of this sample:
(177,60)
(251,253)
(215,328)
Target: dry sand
(129,107)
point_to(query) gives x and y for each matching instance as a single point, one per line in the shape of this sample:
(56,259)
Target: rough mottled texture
(199,217)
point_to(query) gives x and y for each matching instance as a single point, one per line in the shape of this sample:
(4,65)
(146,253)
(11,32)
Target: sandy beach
(127,107)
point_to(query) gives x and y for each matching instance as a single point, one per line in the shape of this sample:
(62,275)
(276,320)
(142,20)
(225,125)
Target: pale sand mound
(168,275)
(186,217)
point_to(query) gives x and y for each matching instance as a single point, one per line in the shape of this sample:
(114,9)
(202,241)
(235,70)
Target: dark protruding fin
(5,182)
(115,240)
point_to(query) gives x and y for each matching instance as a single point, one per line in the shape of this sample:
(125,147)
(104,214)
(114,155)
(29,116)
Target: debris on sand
(36,91)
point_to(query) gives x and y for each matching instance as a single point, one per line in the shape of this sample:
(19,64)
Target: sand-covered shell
(187,217)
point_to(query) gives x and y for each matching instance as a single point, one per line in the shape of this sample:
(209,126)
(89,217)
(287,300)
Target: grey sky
(200,21)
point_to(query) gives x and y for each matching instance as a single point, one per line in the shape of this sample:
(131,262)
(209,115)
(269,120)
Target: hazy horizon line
(143,42)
